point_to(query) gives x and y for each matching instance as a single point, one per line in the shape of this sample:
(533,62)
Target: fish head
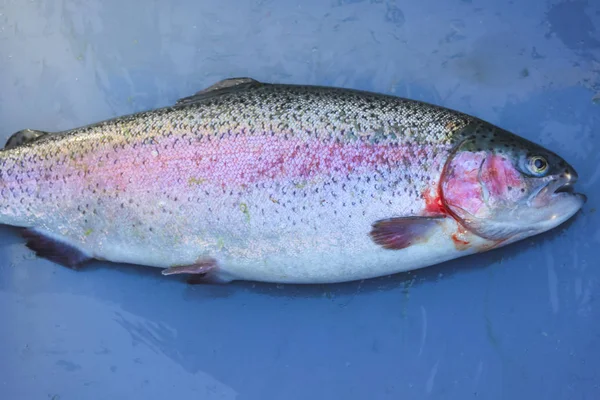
(504,188)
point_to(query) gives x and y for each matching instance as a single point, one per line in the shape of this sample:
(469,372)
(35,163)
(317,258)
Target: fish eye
(538,165)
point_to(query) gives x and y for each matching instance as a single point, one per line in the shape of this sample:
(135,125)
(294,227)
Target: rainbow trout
(281,183)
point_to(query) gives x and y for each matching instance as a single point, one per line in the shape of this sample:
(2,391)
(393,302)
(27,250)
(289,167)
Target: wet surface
(519,322)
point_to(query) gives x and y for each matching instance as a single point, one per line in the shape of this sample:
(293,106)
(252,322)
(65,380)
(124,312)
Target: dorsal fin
(24,136)
(219,88)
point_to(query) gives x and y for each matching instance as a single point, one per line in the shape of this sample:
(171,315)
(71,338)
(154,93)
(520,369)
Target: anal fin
(55,250)
(400,233)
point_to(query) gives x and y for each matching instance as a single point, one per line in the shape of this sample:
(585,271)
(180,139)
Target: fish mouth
(554,203)
(557,188)
(566,188)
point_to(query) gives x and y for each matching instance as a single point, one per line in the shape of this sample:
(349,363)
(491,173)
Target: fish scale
(278,183)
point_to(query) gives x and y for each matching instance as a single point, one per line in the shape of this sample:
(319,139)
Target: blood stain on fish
(433,203)
(461,238)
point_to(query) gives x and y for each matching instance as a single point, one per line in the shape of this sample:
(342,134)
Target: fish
(281,183)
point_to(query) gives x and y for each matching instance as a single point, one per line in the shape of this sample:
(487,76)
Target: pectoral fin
(400,233)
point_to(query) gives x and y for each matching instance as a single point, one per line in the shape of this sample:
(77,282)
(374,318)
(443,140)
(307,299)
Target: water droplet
(154,153)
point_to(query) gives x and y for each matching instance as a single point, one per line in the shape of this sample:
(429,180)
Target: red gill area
(459,186)
(476,184)
(434,204)
(501,178)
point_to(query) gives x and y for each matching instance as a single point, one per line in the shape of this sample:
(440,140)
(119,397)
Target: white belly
(360,259)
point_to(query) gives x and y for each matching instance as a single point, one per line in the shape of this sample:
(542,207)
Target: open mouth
(559,187)
(566,188)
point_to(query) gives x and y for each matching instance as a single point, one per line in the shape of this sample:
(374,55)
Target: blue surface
(517,323)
